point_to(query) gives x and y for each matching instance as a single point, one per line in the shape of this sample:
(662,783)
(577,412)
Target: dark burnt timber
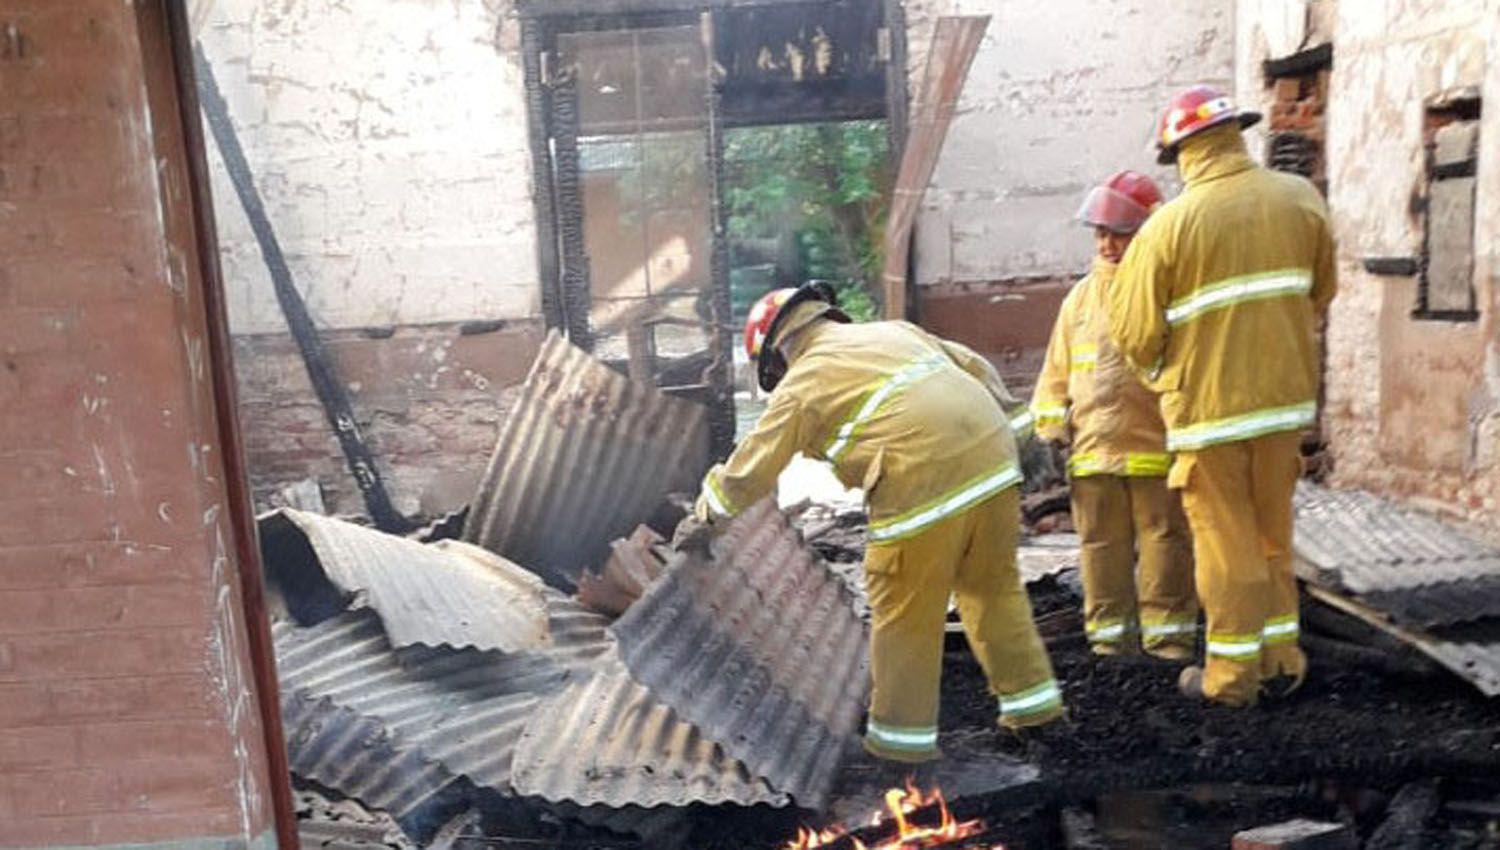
(1303,62)
(319,370)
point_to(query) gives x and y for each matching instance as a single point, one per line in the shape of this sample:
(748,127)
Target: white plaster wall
(1389,59)
(389,142)
(1062,94)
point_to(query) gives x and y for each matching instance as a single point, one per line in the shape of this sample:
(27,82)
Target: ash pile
(557,672)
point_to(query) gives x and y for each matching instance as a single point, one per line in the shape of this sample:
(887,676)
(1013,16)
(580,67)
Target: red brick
(125,274)
(77,791)
(1286,90)
(158,698)
(31,831)
(69,655)
(31,611)
(34,748)
(143,740)
(176,780)
(36,331)
(143,828)
(82,564)
(25,704)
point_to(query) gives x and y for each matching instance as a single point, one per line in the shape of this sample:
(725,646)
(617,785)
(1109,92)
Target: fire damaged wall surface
(391,151)
(128,713)
(1411,401)
(1048,110)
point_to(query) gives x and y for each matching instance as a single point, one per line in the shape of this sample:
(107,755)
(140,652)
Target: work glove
(692,534)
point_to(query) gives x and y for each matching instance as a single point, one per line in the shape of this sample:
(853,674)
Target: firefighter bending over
(921,425)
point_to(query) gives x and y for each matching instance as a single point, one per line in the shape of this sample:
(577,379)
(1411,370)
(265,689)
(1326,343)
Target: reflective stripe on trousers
(1044,697)
(913,739)
(955,501)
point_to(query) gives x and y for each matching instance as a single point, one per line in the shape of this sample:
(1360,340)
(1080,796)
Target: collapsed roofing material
(462,712)
(586,450)
(759,647)
(1419,570)
(634,564)
(1403,573)
(605,741)
(324,824)
(440,594)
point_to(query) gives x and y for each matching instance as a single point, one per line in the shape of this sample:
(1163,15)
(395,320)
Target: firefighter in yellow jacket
(1217,301)
(924,427)
(1089,398)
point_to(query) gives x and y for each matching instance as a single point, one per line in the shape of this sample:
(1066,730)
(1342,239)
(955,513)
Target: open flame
(900,803)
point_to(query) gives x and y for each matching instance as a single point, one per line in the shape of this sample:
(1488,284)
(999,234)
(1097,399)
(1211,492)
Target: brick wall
(1411,403)
(430,400)
(127,714)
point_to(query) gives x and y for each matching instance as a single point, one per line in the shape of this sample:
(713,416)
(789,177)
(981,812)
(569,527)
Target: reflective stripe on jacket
(921,424)
(1089,397)
(1217,297)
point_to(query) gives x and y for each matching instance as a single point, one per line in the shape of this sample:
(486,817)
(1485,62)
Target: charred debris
(546,671)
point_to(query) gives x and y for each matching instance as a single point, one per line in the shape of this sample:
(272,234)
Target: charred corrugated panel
(1421,571)
(634,564)
(324,824)
(461,710)
(441,594)
(336,747)
(606,741)
(760,647)
(585,456)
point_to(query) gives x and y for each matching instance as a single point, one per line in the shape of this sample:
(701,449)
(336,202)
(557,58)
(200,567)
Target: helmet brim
(1168,155)
(770,366)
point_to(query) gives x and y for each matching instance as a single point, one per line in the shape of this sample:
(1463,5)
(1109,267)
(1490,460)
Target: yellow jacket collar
(799,328)
(1216,152)
(1103,271)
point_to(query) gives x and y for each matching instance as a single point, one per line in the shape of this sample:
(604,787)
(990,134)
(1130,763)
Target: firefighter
(1217,302)
(1091,400)
(923,426)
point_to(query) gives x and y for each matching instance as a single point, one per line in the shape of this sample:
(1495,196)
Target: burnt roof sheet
(461,710)
(324,824)
(440,594)
(760,647)
(606,741)
(1421,571)
(588,451)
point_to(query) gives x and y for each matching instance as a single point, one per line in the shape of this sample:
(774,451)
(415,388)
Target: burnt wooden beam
(1299,63)
(320,370)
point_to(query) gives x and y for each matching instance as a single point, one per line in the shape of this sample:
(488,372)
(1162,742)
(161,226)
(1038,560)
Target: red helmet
(1121,203)
(762,324)
(1194,110)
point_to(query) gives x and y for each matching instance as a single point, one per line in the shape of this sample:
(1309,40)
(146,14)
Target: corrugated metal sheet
(441,594)
(760,648)
(324,824)
(585,456)
(634,564)
(1415,577)
(1423,572)
(606,741)
(461,711)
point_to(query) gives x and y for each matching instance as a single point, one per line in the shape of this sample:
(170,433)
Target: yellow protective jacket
(922,424)
(1089,397)
(1216,298)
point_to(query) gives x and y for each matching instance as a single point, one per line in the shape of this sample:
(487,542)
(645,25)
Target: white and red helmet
(764,321)
(1194,110)
(1122,203)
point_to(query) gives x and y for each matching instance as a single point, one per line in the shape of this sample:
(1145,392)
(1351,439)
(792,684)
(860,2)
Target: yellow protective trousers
(1120,518)
(1238,500)
(972,557)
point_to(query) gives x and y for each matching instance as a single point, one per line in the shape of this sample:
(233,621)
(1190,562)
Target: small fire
(900,803)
